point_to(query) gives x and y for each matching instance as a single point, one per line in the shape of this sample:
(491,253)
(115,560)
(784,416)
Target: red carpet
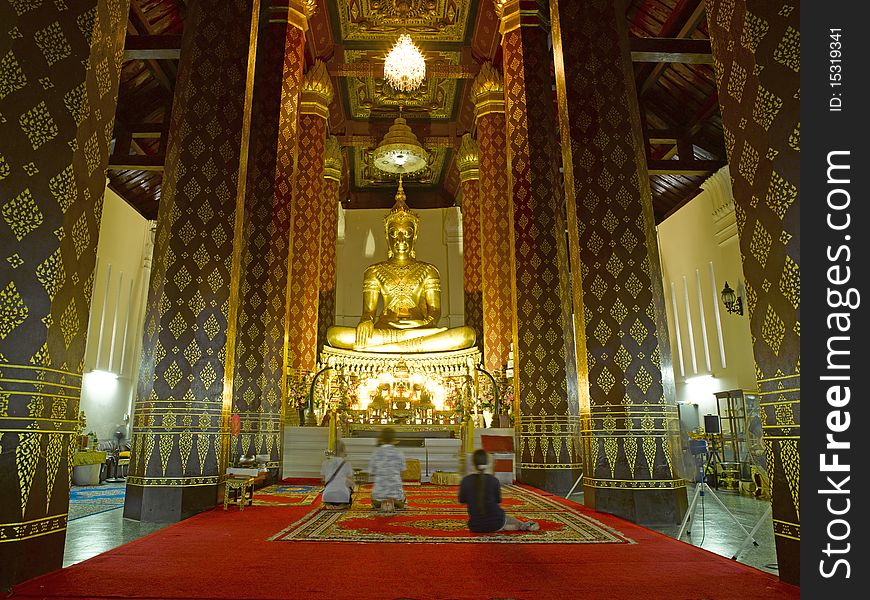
(434,515)
(226,554)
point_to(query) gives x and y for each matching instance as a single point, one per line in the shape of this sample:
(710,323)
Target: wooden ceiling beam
(152,47)
(138,24)
(689,13)
(664,136)
(671,50)
(684,167)
(710,106)
(137,162)
(418,198)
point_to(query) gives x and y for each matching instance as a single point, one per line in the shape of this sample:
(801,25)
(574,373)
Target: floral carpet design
(433,515)
(283,494)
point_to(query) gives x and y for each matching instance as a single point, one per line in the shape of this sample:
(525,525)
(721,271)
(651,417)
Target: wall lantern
(732,301)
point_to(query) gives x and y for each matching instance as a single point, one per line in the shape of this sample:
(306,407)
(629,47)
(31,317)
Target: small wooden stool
(243,491)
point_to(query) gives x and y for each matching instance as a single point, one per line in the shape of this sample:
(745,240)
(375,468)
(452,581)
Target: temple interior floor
(88,536)
(720,535)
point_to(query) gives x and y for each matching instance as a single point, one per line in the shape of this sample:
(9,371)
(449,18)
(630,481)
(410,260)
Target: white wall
(117,312)
(361,242)
(699,246)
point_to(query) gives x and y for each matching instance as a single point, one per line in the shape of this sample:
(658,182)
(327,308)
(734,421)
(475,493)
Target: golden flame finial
(468,159)
(487,91)
(317,90)
(333,161)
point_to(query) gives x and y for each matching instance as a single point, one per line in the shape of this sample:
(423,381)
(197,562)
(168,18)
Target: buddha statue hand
(364,333)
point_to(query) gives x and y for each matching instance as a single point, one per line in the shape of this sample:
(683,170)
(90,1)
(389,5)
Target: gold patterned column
(756,52)
(259,363)
(626,388)
(544,366)
(468,162)
(180,431)
(59,71)
(487,93)
(333,165)
(303,296)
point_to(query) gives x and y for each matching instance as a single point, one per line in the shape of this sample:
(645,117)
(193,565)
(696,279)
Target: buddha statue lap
(411,290)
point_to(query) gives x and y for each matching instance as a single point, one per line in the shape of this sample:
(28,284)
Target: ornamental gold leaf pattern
(763,139)
(617,279)
(53,453)
(26,459)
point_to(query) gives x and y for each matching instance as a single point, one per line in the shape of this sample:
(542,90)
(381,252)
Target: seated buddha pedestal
(405,336)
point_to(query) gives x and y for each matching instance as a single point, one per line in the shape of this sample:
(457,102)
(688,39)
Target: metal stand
(574,487)
(751,535)
(699,493)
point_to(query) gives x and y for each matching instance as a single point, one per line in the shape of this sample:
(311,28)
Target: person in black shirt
(482,493)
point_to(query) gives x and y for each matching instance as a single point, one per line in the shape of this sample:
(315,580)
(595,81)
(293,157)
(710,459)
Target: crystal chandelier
(405,67)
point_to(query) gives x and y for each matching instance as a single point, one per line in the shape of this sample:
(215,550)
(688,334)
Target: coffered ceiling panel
(383,20)
(372,98)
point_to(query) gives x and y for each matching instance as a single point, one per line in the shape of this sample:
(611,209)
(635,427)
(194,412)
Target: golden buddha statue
(411,290)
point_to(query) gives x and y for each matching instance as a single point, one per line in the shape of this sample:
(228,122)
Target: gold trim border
(173,481)
(18,532)
(627,484)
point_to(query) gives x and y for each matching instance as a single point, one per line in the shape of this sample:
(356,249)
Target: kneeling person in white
(338,479)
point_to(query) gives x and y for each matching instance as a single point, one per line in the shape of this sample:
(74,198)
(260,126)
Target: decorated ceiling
(678,98)
(383,20)
(367,29)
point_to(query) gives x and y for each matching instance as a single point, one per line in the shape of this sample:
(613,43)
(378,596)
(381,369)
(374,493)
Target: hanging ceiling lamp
(405,67)
(400,152)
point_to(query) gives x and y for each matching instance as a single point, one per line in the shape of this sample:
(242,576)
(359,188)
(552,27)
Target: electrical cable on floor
(703,521)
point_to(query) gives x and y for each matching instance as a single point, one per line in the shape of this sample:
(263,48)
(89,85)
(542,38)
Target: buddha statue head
(401,227)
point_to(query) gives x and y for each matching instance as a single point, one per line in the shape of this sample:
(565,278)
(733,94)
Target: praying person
(338,479)
(482,493)
(385,467)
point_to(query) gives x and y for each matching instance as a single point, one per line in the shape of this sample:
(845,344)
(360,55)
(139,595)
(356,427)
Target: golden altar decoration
(431,390)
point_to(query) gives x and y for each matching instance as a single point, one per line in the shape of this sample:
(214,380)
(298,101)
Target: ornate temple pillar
(756,52)
(626,387)
(303,292)
(258,382)
(487,93)
(543,337)
(181,442)
(59,72)
(468,162)
(333,165)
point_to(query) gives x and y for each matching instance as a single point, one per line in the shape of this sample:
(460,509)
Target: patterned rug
(86,500)
(283,494)
(433,515)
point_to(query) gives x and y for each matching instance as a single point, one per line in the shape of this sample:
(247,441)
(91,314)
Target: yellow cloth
(445,478)
(88,457)
(412,471)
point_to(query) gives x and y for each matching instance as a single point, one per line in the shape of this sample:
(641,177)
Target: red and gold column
(468,162)
(545,372)
(296,13)
(756,52)
(626,392)
(259,361)
(333,165)
(303,296)
(59,75)
(487,93)
(181,441)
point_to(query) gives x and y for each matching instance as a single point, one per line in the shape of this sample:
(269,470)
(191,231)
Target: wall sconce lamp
(732,301)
